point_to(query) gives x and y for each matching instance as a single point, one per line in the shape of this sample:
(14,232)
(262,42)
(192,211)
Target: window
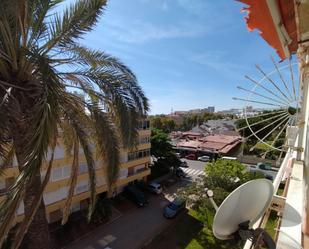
(139,168)
(144,140)
(131,171)
(123,173)
(83,168)
(58,154)
(66,171)
(138,154)
(100,181)
(54,196)
(144,125)
(60,173)
(56,174)
(81,187)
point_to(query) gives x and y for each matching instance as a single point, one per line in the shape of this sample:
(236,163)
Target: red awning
(276,21)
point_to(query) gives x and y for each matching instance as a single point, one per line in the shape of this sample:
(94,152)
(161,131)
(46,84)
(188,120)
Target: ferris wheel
(276,97)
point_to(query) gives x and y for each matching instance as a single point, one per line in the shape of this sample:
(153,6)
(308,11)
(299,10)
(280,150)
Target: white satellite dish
(246,204)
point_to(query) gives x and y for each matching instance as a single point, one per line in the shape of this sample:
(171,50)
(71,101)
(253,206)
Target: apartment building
(134,166)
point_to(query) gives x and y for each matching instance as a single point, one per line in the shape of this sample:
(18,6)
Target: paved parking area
(134,228)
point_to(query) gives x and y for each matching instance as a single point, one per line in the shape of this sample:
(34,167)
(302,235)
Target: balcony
(135,162)
(137,176)
(288,233)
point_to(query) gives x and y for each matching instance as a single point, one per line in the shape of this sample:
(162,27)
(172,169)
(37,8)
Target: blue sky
(186,54)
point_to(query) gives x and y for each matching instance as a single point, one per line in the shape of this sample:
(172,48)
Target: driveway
(133,229)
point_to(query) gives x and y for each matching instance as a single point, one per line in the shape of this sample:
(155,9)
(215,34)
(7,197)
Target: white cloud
(141,32)
(197,7)
(217,60)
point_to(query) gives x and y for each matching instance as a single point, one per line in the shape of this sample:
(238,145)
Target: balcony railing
(288,206)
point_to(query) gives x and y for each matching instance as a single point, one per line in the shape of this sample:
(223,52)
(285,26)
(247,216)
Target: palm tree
(41,62)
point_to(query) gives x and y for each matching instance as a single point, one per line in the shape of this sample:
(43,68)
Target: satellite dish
(244,206)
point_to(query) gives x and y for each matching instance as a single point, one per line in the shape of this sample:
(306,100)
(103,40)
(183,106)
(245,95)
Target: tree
(222,177)
(162,149)
(156,123)
(163,123)
(225,174)
(168,125)
(40,61)
(262,125)
(191,120)
(160,143)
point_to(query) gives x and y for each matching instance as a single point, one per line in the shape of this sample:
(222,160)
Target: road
(134,228)
(138,225)
(195,168)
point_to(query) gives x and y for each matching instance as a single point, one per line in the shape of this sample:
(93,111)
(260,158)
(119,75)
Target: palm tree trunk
(37,236)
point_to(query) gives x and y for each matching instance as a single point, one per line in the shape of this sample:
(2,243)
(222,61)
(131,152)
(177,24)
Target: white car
(203,158)
(155,188)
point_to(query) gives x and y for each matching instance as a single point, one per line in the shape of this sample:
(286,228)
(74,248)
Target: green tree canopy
(222,176)
(262,125)
(160,143)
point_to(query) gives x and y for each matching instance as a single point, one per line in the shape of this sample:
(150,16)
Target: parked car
(203,158)
(191,157)
(135,195)
(180,173)
(184,164)
(173,208)
(155,188)
(229,158)
(264,168)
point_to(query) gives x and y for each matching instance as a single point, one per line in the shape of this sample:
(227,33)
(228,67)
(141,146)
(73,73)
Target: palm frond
(6,147)
(75,21)
(68,136)
(72,183)
(73,107)
(82,136)
(38,13)
(107,142)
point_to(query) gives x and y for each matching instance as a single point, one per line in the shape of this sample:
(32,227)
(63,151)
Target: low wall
(254,160)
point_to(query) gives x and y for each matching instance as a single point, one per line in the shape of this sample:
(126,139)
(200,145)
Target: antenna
(240,210)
